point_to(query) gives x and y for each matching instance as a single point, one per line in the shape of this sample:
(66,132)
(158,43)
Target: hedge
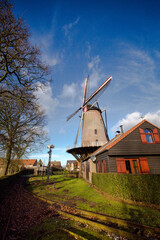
(140,187)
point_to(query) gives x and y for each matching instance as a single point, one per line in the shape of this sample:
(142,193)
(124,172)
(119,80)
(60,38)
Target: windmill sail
(70,116)
(93,96)
(98,91)
(85,89)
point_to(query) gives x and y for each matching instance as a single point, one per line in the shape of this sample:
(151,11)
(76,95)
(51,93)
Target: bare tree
(21,120)
(20,63)
(21,126)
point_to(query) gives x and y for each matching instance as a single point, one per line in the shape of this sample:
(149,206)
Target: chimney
(121,126)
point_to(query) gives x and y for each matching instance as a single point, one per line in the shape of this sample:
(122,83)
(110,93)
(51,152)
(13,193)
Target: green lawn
(64,229)
(76,192)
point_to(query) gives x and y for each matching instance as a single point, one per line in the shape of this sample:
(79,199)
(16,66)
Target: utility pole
(49,162)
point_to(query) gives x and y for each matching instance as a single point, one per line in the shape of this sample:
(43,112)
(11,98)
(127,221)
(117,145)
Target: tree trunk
(8,158)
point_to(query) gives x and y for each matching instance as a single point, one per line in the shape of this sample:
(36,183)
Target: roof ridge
(115,140)
(101,148)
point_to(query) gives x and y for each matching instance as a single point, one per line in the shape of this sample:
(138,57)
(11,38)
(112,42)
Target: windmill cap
(90,107)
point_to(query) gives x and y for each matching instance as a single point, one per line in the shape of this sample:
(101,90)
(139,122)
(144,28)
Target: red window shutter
(99,166)
(121,166)
(144,165)
(156,135)
(104,166)
(143,136)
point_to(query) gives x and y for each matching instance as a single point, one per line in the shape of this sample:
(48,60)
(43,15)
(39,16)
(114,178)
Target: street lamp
(49,162)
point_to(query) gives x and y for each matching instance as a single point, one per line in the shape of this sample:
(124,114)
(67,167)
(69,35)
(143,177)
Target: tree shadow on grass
(142,218)
(64,180)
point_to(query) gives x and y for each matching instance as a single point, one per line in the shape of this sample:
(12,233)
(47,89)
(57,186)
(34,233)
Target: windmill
(94,129)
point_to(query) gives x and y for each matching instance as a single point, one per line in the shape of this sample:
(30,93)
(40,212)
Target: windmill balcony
(91,144)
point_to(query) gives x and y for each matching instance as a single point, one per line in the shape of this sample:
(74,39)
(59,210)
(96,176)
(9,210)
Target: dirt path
(19,210)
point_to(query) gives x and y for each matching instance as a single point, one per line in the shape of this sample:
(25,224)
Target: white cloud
(95,72)
(45,98)
(129,121)
(134,67)
(94,63)
(62,131)
(69,26)
(46,42)
(59,149)
(88,50)
(134,118)
(95,75)
(157,53)
(50,60)
(69,91)
(37,156)
(153,118)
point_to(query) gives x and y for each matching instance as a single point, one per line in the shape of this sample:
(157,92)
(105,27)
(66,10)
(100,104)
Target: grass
(76,192)
(64,229)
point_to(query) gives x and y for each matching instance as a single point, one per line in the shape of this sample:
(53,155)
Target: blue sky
(96,38)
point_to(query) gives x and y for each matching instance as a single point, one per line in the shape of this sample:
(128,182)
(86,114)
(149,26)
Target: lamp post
(49,162)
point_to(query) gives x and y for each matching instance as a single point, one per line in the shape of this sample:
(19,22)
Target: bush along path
(114,228)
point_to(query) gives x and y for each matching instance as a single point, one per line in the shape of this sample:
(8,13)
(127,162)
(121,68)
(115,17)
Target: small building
(40,170)
(32,166)
(28,163)
(56,165)
(72,165)
(136,151)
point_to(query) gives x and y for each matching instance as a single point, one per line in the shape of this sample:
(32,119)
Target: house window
(132,165)
(148,135)
(135,166)
(95,131)
(128,166)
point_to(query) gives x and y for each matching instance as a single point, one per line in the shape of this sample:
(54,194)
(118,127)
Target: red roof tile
(27,162)
(56,163)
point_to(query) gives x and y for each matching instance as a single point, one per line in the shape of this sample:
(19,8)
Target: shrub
(143,187)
